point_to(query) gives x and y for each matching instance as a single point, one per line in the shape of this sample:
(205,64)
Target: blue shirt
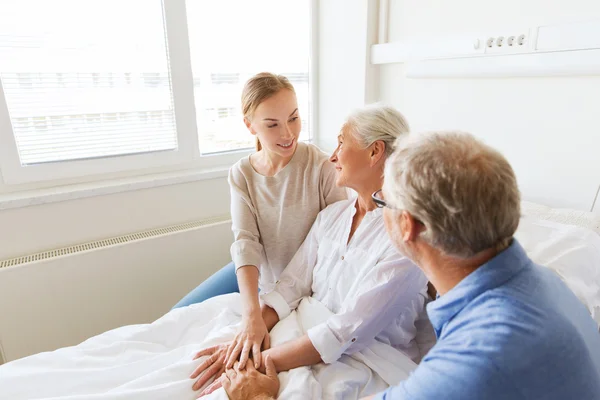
(509,330)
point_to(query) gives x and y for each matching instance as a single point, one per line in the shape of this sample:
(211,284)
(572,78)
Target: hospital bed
(154,361)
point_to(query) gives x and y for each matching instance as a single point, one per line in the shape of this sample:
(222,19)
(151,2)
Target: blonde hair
(463,191)
(377,122)
(259,88)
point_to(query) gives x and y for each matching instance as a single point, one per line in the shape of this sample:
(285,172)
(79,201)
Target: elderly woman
(507,328)
(347,262)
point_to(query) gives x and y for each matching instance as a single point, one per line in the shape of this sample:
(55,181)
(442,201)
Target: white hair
(377,122)
(463,191)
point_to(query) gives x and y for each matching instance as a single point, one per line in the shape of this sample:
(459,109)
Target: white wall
(547,127)
(65,223)
(346,80)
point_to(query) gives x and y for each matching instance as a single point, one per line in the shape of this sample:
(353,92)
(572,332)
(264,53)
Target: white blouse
(373,291)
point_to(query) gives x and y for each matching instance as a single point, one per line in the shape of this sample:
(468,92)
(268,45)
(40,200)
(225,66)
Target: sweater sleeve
(247,248)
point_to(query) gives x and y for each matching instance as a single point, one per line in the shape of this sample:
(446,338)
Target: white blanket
(154,361)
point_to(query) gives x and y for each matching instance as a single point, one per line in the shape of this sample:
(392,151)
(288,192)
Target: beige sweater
(272,215)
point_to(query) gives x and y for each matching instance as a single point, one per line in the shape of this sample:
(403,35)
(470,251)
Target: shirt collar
(489,276)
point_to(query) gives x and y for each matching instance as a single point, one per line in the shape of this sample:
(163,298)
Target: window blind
(86,79)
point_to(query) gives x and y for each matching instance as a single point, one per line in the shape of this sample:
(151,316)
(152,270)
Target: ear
(248,124)
(409,227)
(377,152)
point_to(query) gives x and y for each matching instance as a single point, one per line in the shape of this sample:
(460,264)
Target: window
(60,79)
(24,80)
(105,100)
(96,79)
(239,53)
(297,78)
(151,79)
(93,47)
(219,79)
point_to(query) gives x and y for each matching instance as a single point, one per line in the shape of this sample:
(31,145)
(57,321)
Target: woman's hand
(252,337)
(212,366)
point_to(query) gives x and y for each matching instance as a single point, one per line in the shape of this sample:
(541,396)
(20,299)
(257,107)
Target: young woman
(276,194)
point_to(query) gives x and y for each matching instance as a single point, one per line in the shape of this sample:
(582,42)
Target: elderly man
(507,328)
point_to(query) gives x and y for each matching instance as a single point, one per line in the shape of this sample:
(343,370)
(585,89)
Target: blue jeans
(221,282)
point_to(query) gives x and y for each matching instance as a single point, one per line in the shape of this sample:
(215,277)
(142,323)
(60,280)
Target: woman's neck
(364,202)
(268,163)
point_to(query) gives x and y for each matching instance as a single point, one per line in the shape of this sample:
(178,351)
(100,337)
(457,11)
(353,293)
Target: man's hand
(248,383)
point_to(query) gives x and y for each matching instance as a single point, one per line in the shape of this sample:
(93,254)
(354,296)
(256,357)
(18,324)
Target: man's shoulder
(515,335)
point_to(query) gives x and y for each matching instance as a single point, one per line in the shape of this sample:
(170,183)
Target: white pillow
(573,252)
(583,219)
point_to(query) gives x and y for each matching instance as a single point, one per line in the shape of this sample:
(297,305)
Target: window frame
(187,156)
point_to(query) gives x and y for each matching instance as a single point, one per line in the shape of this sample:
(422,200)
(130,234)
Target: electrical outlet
(506,44)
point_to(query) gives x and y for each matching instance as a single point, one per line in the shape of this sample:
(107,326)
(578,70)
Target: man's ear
(410,227)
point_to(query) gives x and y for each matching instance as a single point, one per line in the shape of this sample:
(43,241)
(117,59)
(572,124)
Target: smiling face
(352,160)
(276,123)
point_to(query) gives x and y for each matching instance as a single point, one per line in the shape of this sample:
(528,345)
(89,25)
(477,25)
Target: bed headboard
(574,186)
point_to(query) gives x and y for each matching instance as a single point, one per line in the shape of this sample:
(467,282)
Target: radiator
(61,297)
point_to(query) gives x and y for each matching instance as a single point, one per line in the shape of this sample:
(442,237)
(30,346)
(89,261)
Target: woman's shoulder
(314,153)
(241,171)
(317,162)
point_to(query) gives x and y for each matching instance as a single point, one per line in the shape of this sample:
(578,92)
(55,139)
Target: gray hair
(463,191)
(377,122)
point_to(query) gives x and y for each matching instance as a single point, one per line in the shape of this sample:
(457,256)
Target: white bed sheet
(154,361)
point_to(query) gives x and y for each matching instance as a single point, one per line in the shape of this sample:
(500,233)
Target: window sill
(79,191)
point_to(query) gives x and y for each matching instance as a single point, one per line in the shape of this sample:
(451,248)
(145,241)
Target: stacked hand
(248,383)
(253,336)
